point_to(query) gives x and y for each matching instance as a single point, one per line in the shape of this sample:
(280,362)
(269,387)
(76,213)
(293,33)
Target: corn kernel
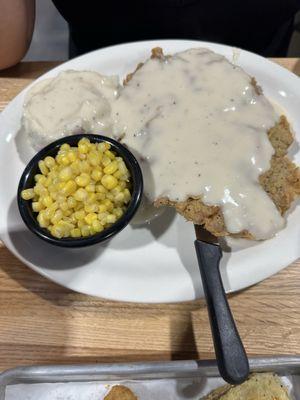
(109,182)
(83,179)
(111,219)
(109,205)
(66,174)
(100,196)
(84,140)
(97,226)
(37,177)
(65,160)
(47,201)
(84,166)
(71,156)
(127,195)
(101,189)
(80,215)
(116,190)
(91,208)
(111,168)
(48,214)
(85,231)
(42,220)
(37,206)
(64,206)
(120,198)
(69,188)
(91,188)
(92,198)
(81,223)
(102,208)
(57,231)
(57,216)
(110,154)
(65,147)
(118,212)
(71,202)
(75,233)
(44,170)
(102,147)
(94,158)
(90,217)
(27,194)
(81,194)
(40,190)
(96,175)
(75,166)
(110,196)
(49,162)
(102,217)
(83,148)
(105,161)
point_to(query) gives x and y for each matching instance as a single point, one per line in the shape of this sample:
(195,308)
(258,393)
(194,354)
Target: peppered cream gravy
(202,128)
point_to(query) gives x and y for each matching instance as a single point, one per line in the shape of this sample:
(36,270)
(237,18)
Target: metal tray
(282,365)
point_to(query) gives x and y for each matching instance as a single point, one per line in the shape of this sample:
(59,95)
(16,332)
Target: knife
(230,353)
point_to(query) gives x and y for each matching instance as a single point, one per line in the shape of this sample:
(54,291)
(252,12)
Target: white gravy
(72,102)
(202,128)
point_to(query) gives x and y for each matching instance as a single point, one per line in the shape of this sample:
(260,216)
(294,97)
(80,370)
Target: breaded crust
(281,181)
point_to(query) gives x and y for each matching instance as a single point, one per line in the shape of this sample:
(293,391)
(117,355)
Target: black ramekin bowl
(27,181)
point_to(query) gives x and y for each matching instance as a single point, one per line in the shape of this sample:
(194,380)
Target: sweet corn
(75,233)
(111,219)
(42,166)
(36,206)
(69,188)
(81,191)
(85,231)
(49,162)
(47,201)
(66,174)
(65,147)
(111,168)
(109,182)
(90,188)
(96,175)
(80,215)
(97,226)
(106,161)
(71,202)
(81,194)
(91,208)
(83,179)
(27,194)
(37,177)
(89,218)
(42,220)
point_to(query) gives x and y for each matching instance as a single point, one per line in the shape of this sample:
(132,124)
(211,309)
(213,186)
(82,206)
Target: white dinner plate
(155,262)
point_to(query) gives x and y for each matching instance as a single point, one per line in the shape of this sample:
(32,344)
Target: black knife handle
(230,353)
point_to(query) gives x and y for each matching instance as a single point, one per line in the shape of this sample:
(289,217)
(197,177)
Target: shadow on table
(184,347)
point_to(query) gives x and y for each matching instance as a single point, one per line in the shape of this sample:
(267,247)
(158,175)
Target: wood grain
(41,322)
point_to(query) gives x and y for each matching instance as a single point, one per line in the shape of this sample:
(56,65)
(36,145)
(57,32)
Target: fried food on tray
(120,392)
(264,386)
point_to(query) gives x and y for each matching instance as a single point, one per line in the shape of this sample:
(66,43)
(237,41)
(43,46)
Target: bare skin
(16,28)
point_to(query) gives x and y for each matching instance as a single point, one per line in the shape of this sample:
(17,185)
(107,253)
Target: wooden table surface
(41,322)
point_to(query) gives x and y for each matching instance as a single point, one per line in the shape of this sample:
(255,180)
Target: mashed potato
(72,102)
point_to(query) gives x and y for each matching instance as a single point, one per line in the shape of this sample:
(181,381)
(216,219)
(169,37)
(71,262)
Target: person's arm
(16,27)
